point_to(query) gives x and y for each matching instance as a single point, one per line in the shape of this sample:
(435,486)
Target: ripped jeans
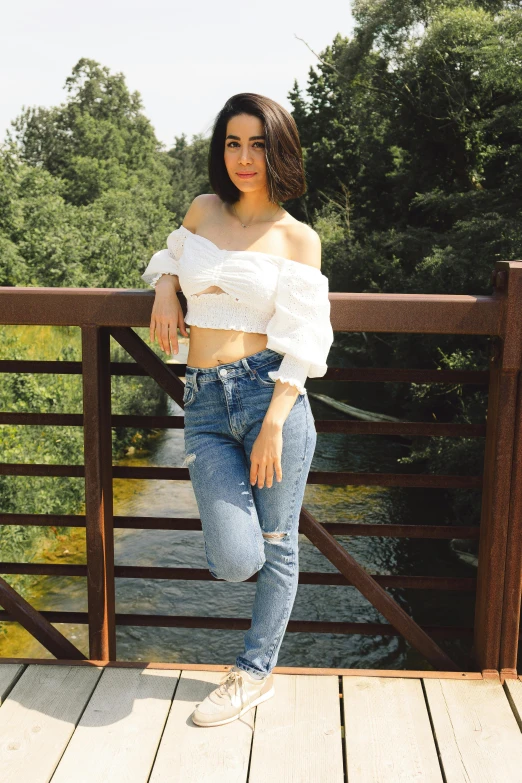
(247,529)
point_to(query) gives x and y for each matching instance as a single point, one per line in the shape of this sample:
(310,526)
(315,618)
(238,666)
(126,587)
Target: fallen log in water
(351,410)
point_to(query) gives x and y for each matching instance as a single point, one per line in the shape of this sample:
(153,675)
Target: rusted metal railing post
(494,619)
(513,569)
(98,491)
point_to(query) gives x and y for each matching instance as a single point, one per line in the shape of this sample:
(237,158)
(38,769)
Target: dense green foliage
(413,146)
(87,190)
(412,133)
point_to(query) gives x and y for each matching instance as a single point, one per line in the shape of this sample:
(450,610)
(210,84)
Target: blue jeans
(247,529)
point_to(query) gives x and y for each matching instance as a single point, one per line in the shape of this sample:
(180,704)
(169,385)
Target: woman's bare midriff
(212,347)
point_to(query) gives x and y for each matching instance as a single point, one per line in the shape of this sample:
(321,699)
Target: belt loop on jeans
(248,367)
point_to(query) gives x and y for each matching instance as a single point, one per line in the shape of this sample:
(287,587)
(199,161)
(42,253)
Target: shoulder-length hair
(284,157)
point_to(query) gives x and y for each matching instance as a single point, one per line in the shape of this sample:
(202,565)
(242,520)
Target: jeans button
(223,372)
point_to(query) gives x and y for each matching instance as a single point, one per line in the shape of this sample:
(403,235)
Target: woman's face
(245,153)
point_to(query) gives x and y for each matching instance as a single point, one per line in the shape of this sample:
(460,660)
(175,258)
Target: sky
(185,59)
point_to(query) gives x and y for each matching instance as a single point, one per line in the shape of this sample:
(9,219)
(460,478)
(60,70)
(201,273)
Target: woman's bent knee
(235,571)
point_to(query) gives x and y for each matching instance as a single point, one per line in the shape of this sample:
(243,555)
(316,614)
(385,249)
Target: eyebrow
(230,136)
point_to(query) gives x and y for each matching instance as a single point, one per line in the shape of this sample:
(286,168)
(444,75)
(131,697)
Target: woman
(259,312)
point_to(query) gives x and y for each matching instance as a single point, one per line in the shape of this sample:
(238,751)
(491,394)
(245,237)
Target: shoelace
(232,679)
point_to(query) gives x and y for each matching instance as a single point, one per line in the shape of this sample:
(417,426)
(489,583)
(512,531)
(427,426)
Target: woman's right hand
(167,315)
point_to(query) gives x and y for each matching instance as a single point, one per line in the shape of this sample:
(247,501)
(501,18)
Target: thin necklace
(246,225)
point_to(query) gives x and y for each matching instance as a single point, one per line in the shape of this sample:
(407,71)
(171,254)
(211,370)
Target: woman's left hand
(266,455)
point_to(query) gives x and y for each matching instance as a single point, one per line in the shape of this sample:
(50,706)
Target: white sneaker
(237,693)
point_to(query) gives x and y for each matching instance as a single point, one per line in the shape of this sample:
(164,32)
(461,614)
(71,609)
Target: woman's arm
(167,314)
(265,458)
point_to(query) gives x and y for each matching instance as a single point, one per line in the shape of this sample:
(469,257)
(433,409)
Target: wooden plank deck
(131,724)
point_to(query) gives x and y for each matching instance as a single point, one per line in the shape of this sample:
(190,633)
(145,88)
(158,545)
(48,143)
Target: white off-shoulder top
(284,299)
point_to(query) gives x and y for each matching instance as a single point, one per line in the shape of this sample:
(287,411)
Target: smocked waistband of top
(242,366)
(220,311)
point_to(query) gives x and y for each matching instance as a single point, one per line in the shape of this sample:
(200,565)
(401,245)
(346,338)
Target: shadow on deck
(89,723)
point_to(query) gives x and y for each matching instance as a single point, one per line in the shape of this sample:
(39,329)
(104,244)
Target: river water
(378,555)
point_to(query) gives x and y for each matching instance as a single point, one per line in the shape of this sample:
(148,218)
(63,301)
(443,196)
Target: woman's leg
(247,529)
(231,530)
(278,509)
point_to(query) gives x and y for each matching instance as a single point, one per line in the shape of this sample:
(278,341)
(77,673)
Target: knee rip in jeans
(274,536)
(189,458)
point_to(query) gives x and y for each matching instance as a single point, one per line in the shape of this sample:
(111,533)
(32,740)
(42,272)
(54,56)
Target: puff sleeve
(166,262)
(300,327)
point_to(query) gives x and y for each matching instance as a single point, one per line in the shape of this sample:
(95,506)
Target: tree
(90,185)
(412,133)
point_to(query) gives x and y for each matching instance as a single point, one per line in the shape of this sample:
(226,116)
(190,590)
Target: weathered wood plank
(387,732)
(193,754)
(298,732)
(513,689)
(120,730)
(9,674)
(476,731)
(38,718)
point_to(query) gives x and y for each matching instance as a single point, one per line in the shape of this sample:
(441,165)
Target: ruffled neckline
(250,252)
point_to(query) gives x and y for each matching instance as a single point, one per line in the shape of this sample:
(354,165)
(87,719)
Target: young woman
(258,308)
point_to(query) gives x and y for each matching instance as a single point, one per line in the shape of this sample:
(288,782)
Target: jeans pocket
(189,392)
(262,376)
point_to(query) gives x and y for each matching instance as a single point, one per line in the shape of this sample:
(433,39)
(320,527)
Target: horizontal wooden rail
(329,478)
(189,523)
(203,575)
(350,312)
(357,374)
(406,428)
(242,623)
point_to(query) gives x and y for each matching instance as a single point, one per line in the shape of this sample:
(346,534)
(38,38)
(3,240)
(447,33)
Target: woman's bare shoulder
(201,207)
(303,243)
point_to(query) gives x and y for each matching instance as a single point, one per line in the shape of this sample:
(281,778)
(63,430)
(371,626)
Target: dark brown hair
(284,158)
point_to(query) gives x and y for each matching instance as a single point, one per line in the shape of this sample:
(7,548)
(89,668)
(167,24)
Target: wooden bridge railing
(102,313)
